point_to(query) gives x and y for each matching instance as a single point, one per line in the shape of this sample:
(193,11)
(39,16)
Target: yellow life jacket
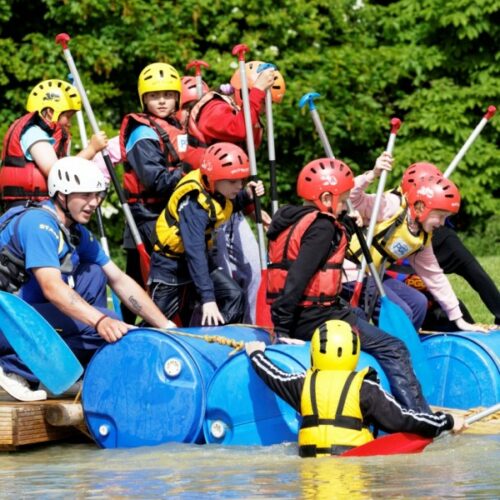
(392,240)
(331,415)
(168,238)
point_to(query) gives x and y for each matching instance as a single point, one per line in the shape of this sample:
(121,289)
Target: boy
(337,403)
(181,268)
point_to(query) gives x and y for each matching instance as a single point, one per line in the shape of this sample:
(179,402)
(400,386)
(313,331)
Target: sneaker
(19,388)
(71,392)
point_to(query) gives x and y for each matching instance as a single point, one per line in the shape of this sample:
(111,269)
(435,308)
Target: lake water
(465,466)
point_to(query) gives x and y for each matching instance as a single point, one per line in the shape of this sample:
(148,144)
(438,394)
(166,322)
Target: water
(465,466)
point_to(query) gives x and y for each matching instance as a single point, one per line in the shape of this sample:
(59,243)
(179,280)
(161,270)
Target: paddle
(393,320)
(271,153)
(404,442)
(144,259)
(100,224)
(263,313)
(39,346)
(468,143)
(198,64)
(395,124)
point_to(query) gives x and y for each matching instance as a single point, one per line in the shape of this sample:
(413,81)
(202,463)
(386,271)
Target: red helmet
(324,176)
(277,90)
(224,161)
(188,89)
(436,193)
(415,172)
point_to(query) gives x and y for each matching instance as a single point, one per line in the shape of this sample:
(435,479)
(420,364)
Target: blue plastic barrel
(150,387)
(467,369)
(242,410)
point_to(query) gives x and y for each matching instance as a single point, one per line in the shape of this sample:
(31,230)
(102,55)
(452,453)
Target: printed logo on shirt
(399,248)
(182,143)
(45,227)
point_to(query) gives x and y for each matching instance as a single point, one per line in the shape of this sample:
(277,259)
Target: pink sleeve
(427,267)
(364,202)
(114,155)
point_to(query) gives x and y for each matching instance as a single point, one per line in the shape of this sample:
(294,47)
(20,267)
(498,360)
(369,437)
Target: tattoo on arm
(137,308)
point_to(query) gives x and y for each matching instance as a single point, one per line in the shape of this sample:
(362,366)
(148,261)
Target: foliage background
(432,63)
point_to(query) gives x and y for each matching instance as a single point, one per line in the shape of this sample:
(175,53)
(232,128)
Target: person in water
(337,403)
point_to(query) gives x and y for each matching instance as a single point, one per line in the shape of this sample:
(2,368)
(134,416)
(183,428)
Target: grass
(470,298)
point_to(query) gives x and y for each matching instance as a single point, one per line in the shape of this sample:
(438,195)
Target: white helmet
(73,174)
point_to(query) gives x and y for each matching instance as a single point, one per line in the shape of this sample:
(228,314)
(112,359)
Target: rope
(237,345)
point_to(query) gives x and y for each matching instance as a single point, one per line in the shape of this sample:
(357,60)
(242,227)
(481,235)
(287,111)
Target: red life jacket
(21,179)
(325,285)
(194,117)
(169,134)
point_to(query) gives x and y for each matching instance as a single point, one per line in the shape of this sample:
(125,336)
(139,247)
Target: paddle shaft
(63,39)
(271,151)
(240,50)
(395,124)
(468,143)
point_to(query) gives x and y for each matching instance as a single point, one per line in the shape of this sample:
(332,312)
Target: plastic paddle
(39,346)
(100,224)
(144,259)
(404,442)
(271,152)
(263,313)
(395,124)
(468,143)
(197,65)
(393,320)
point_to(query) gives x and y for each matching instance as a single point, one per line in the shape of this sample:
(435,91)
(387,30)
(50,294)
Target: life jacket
(21,179)
(13,272)
(168,239)
(194,117)
(332,421)
(325,285)
(392,240)
(173,143)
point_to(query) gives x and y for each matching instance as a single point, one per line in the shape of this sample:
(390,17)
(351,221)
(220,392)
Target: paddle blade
(263,309)
(392,444)
(356,294)
(394,321)
(39,346)
(144,262)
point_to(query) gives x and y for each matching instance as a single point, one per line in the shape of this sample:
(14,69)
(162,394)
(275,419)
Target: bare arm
(69,302)
(134,297)
(43,155)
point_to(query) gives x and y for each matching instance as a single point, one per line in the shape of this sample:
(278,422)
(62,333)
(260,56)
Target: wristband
(103,317)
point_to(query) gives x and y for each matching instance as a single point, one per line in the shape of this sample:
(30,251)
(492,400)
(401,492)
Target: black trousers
(180,300)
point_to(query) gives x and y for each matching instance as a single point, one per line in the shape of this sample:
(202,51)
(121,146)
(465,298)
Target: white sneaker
(18,387)
(71,392)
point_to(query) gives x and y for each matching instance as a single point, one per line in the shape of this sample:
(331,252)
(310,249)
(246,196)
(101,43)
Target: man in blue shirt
(61,270)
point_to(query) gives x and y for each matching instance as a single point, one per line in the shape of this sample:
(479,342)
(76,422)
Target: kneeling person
(339,404)
(61,270)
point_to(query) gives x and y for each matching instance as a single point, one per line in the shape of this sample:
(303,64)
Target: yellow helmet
(55,94)
(157,77)
(334,346)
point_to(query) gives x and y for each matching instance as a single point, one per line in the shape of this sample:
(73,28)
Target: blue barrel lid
(145,389)
(467,368)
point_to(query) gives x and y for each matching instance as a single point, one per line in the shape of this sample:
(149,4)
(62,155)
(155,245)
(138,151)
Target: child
(404,229)
(307,245)
(153,146)
(219,117)
(36,140)
(181,269)
(337,403)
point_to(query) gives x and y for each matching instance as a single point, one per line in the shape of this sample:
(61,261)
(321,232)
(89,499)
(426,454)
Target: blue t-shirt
(31,136)
(36,237)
